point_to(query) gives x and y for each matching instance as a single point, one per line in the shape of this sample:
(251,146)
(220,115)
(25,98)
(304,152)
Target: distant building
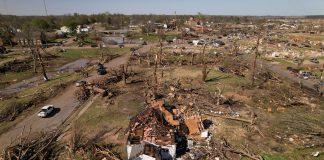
(83,29)
(65,29)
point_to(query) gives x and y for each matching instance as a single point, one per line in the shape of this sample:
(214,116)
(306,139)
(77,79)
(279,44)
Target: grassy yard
(26,96)
(32,95)
(298,154)
(112,118)
(284,62)
(74,54)
(61,59)
(214,78)
(152,37)
(315,37)
(12,77)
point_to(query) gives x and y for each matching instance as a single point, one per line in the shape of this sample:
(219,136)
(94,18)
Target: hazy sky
(213,7)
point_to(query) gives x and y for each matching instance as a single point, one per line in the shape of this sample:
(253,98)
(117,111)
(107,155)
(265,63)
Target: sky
(207,7)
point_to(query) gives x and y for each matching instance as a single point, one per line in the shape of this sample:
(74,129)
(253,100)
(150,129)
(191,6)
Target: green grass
(320,58)
(110,117)
(298,154)
(307,36)
(172,35)
(61,59)
(74,54)
(214,79)
(12,77)
(226,78)
(98,116)
(152,37)
(146,37)
(10,56)
(25,96)
(284,62)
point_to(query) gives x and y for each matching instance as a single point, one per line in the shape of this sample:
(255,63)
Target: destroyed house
(149,134)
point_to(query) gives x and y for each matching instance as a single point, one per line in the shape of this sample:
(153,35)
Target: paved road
(30,82)
(283,72)
(65,101)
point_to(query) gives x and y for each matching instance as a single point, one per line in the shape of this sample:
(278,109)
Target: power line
(5,7)
(45,7)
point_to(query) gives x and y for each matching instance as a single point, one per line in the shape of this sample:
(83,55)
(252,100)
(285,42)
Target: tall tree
(255,57)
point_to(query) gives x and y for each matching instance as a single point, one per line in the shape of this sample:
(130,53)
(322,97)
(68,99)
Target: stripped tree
(255,57)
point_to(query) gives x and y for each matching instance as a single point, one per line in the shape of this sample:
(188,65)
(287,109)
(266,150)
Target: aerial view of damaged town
(162,80)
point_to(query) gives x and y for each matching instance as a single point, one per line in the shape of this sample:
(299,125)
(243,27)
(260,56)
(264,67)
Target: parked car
(45,111)
(144,43)
(80,83)
(121,45)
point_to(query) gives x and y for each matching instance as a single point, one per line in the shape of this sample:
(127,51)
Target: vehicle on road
(45,111)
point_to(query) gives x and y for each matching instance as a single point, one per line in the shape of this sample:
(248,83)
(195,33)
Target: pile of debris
(42,146)
(163,131)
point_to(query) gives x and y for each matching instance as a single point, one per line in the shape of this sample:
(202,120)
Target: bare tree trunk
(161,51)
(33,54)
(34,63)
(101,51)
(205,73)
(124,70)
(155,68)
(255,58)
(203,55)
(42,64)
(192,58)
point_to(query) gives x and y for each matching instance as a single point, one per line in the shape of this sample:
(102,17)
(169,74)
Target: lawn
(297,154)
(33,95)
(61,59)
(214,77)
(12,77)
(112,118)
(74,54)
(284,62)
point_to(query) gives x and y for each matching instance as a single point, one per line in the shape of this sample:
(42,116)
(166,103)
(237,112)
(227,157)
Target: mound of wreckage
(163,131)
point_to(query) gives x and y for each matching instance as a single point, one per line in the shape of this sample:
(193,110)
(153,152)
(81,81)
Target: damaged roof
(150,126)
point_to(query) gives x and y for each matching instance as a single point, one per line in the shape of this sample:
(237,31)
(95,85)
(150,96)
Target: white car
(45,111)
